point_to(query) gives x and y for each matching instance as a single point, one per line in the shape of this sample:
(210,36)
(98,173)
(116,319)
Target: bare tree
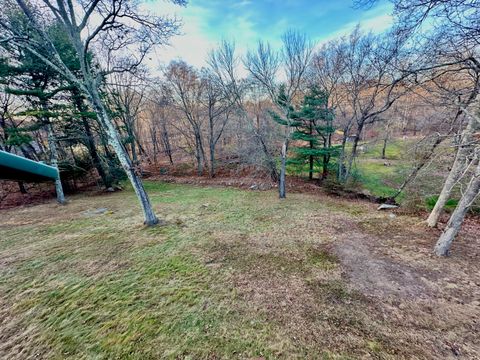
(187,90)
(115,27)
(371,81)
(159,109)
(451,40)
(224,64)
(127,95)
(264,64)
(218,109)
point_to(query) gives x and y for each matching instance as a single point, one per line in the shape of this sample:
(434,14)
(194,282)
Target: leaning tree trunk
(442,248)
(455,173)
(54,162)
(114,141)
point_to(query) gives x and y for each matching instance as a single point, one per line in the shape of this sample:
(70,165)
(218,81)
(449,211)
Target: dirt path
(379,276)
(390,262)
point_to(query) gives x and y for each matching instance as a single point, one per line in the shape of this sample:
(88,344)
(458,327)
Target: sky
(207,22)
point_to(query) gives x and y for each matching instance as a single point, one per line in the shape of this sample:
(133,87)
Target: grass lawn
(374,176)
(370,172)
(234,274)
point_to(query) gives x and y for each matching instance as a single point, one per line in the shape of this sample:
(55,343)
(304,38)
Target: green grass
(210,284)
(450,205)
(379,179)
(371,173)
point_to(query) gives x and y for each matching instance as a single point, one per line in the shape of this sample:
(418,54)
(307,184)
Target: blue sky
(206,22)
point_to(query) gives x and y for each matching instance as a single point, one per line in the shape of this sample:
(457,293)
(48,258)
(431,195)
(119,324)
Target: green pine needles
(311,138)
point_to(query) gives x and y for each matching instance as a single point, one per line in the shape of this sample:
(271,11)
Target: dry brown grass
(234,274)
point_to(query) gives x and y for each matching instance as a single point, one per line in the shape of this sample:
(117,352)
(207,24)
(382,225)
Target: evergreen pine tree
(313,133)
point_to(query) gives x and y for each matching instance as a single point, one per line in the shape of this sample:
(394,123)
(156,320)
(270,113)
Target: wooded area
(75,94)
(371,139)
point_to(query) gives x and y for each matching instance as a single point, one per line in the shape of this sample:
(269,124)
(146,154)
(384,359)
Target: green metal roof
(13,167)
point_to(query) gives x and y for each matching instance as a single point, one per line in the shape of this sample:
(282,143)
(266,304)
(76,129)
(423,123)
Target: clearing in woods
(234,274)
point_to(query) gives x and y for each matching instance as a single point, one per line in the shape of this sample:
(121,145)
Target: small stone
(392,216)
(264,187)
(93,212)
(387,207)
(100,211)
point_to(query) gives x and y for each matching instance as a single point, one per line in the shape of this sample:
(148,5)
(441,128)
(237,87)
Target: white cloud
(191,45)
(197,38)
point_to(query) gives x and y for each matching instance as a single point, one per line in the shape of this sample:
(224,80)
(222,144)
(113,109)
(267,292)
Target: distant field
(383,177)
(234,274)
(371,172)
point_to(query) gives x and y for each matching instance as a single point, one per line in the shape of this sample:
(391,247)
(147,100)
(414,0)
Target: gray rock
(94,212)
(387,207)
(264,187)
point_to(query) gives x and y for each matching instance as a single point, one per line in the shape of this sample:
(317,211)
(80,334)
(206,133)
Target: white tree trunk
(54,162)
(442,248)
(150,218)
(282,191)
(464,149)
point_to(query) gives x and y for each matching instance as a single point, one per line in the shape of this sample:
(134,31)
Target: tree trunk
(114,141)
(198,155)
(310,158)
(21,186)
(92,149)
(353,153)
(326,161)
(455,173)
(341,175)
(384,148)
(133,150)
(211,143)
(166,143)
(282,191)
(212,159)
(272,166)
(442,248)
(341,159)
(153,137)
(54,163)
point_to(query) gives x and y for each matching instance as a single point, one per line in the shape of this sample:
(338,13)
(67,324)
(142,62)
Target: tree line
(76,93)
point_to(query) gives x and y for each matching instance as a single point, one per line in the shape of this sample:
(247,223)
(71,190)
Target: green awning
(13,167)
